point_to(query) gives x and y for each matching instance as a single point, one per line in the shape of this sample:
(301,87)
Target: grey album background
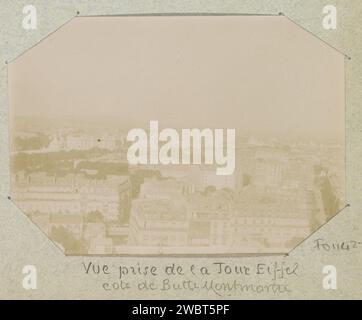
(21,243)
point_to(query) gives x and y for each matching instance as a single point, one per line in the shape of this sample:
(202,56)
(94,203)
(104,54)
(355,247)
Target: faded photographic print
(137,135)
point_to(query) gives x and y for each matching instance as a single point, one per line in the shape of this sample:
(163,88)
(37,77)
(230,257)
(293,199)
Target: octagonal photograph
(152,135)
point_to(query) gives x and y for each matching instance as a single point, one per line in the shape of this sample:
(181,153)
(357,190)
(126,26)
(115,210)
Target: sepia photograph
(163,135)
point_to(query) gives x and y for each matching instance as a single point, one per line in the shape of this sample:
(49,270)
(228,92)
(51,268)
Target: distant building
(158,223)
(154,188)
(269,217)
(100,245)
(93,230)
(71,141)
(72,195)
(211,219)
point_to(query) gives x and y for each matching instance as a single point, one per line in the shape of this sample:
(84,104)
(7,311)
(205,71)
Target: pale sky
(253,73)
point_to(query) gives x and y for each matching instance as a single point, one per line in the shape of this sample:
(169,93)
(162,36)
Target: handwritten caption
(335,246)
(220,278)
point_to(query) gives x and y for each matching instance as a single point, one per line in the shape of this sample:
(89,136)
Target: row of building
(84,142)
(269,204)
(255,219)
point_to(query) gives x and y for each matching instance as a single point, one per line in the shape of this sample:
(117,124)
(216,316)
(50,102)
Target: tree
(67,240)
(94,216)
